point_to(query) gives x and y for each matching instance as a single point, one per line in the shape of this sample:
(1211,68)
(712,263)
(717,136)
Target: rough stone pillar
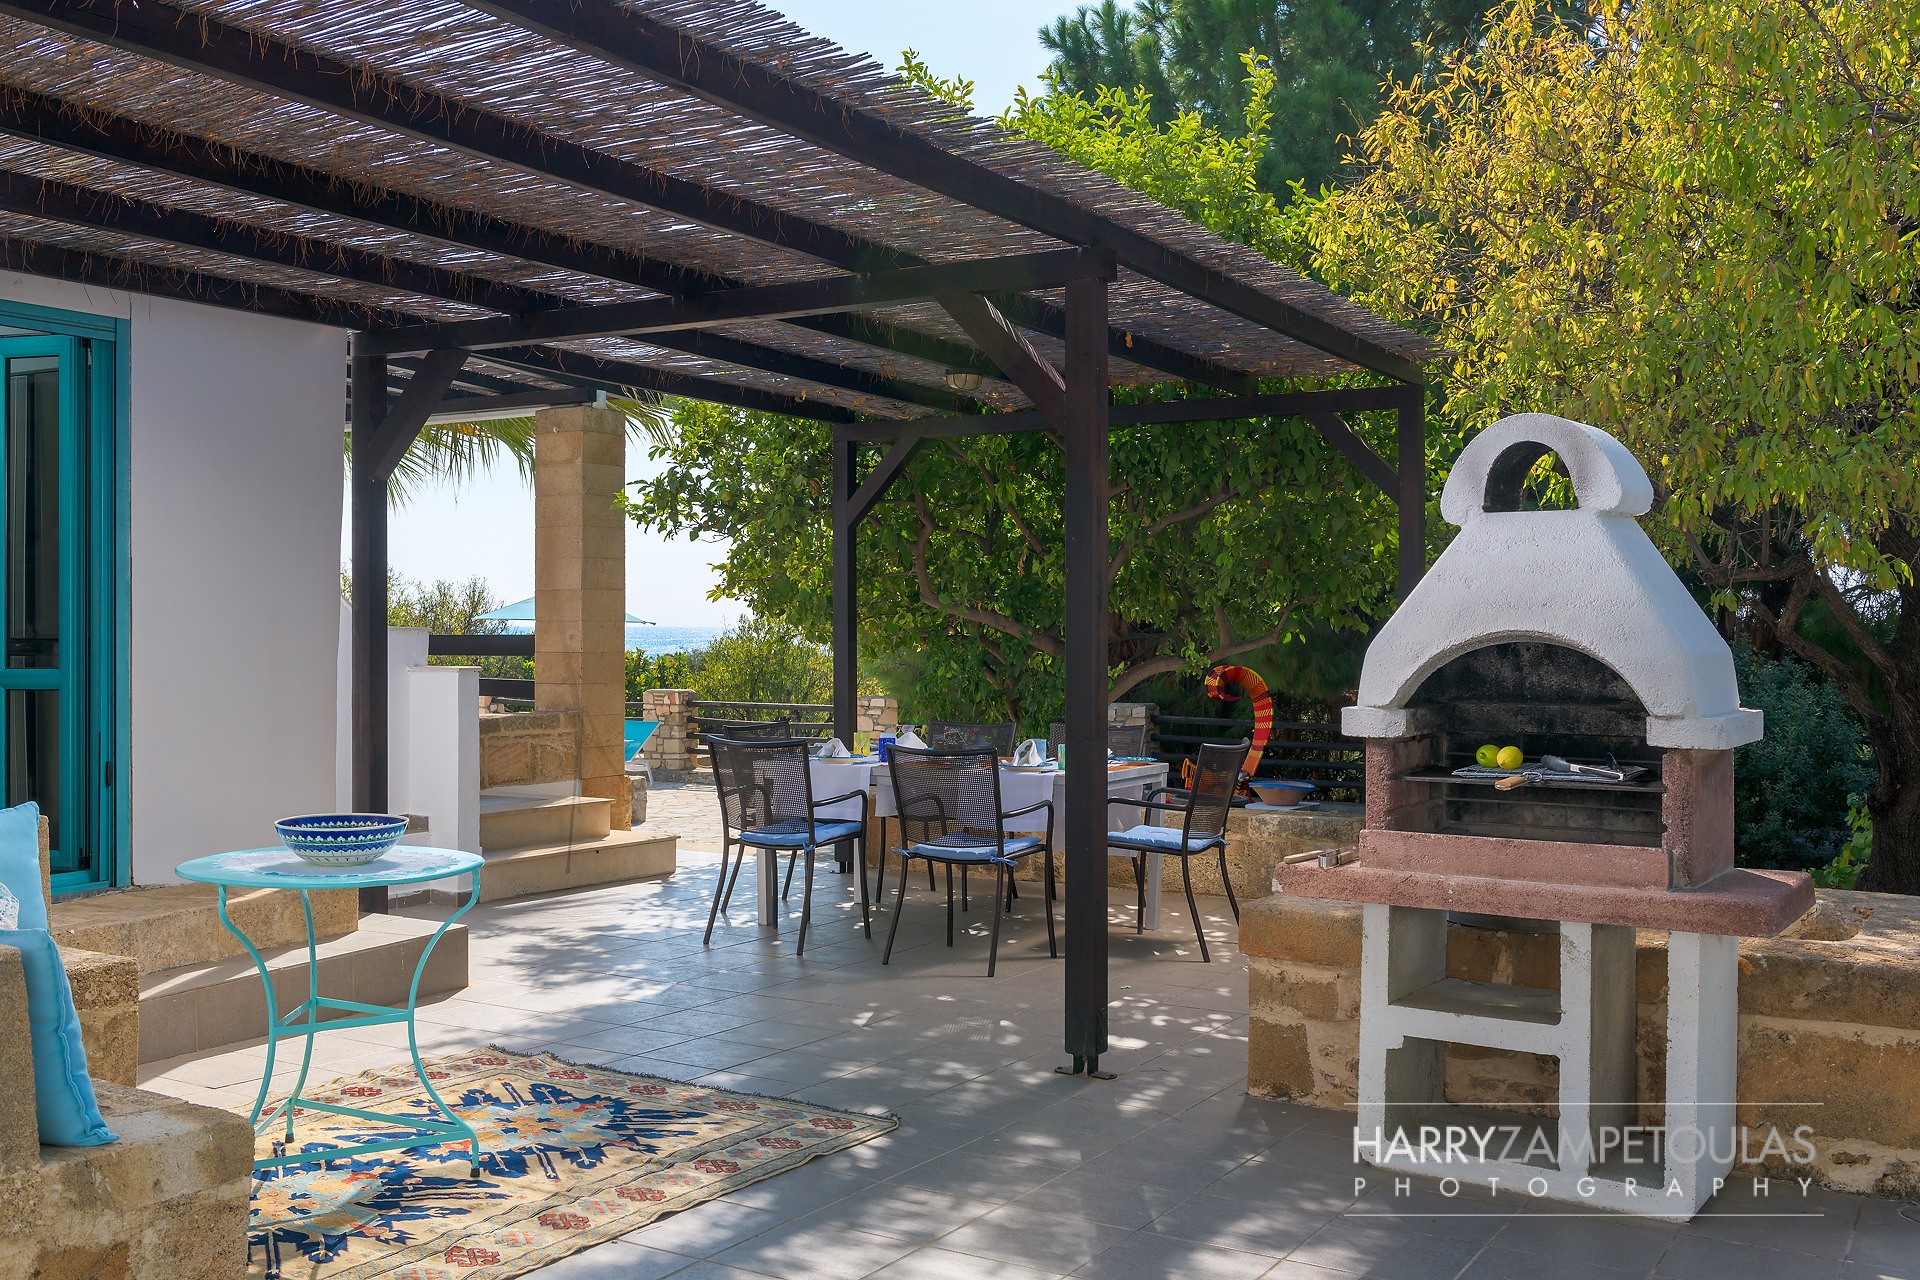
(670,749)
(580,588)
(878,714)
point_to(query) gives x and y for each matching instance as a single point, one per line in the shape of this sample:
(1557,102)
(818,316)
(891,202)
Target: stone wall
(876,713)
(526,748)
(1829,1025)
(1256,839)
(670,750)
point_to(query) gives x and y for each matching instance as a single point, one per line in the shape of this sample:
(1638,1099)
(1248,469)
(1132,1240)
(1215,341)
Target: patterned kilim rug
(571,1156)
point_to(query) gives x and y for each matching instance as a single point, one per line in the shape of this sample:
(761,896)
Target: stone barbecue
(1563,633)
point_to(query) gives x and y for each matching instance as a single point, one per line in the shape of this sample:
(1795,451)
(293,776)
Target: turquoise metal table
(281,869)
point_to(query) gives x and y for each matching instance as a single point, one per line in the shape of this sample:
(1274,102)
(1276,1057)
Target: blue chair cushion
(1165,838)
(791,833)
(962,847)
(20,862)
(63,1097)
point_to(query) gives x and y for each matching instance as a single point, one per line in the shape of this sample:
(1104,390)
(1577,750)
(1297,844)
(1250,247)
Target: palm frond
(454,452)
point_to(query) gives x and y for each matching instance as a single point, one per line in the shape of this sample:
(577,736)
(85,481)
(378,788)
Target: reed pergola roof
(517,202)
(400,166)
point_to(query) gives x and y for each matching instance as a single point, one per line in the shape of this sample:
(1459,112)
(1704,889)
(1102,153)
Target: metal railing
(808,719)
(1313,751)
(501,645)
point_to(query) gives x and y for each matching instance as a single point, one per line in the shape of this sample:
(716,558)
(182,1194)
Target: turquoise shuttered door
(47,740)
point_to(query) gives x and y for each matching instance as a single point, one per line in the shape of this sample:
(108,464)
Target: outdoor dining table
(1019,787)
(280,868)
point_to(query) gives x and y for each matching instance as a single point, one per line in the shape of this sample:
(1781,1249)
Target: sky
(484,527)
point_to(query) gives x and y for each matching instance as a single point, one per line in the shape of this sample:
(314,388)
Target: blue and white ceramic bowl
(341,839)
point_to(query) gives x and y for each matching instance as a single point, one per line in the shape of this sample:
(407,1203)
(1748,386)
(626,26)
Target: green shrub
(1844,870)
(662,671)
(1795,789)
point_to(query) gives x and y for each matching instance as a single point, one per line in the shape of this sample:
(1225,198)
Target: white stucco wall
(235,425)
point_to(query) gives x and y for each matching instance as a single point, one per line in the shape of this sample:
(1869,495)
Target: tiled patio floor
(1001,1169)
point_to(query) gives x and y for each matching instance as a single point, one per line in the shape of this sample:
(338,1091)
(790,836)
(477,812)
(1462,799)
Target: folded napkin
(831,749)
(1029,752)
(911,740)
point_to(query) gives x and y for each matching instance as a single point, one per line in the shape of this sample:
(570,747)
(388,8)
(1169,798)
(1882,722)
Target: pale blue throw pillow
(63,1098)
(20,862)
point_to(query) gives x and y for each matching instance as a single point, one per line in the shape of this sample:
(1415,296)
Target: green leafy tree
(1329,59)
(1227,538)
(679,670)
(763,659)
(1695,223)
(1794,786)
(451,608)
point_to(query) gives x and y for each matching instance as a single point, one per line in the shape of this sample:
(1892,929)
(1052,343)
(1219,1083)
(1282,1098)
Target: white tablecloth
(1022,787)
(836,777)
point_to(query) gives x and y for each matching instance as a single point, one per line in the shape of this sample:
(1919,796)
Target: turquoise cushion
(794,833)
(62,1091)
(1167,838)
(20,862)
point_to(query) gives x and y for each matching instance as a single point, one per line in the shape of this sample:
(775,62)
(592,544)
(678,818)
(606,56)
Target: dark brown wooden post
(846,607)
(1085,438)
(1411,465)
(846,602)
(367,492)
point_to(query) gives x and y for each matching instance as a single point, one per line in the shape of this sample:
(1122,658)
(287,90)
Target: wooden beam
(134,142)
(1282,404)
(63,202)
(1411,494)
(1357,451)
(400,426)
(880,479)
(620,377)
(197,42)
(762,302)
(1010,350)
(675,56)
(458,408)
(130,275)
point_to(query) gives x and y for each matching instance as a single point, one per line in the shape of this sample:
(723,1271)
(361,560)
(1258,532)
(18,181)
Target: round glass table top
(280,868)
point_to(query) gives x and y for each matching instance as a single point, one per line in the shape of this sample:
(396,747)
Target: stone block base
(1828,1028)
(166,1202)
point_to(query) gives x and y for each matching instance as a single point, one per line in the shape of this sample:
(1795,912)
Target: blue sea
(649,638)
(652,639)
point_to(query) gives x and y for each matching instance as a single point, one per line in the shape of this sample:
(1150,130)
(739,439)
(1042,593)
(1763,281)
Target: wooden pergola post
(382,434)
(367,494)
(1084,436)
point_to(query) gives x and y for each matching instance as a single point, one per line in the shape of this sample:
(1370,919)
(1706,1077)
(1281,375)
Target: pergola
(512,203)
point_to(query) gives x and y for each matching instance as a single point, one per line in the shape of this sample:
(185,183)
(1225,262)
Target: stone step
(620,856)
(174,925)
(200,1007)
(509,822)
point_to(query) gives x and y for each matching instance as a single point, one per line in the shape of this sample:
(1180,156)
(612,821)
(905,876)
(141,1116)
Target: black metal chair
(1202,829)
(952,735)
(1122,739)
(776,730)
(748,730)
(949,809)
(767,802)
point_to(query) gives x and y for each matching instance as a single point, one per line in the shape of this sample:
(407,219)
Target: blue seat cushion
(963,847)
(791,833)
(20,862)
(63,1098)
(1164,838)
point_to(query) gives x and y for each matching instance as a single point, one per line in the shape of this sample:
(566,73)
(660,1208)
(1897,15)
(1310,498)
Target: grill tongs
(1557,768)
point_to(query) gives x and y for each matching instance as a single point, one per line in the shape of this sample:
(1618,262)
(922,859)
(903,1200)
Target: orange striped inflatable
(1250,686)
